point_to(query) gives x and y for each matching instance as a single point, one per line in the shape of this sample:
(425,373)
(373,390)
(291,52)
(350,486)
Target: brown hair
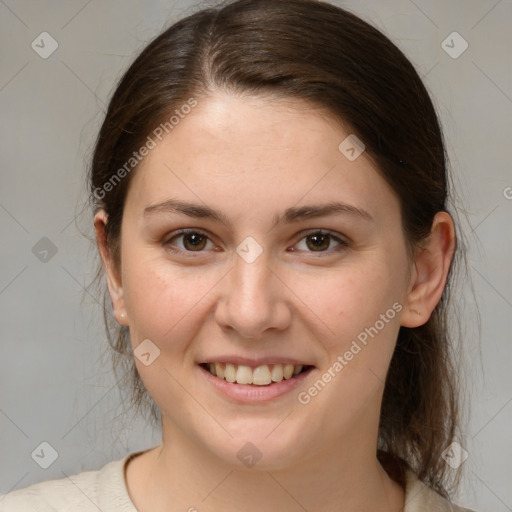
(329,57)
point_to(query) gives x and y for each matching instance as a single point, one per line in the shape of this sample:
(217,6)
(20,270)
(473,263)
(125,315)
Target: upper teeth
(259,376)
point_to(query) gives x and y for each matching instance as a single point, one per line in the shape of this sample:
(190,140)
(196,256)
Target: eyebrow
(290,215)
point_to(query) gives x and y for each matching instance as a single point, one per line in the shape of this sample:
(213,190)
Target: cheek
(362,309)
(165,307)
(353,299)
(162,303)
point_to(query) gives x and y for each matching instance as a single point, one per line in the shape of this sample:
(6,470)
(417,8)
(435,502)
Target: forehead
(270,149)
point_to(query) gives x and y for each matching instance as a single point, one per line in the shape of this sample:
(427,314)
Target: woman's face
(255,284)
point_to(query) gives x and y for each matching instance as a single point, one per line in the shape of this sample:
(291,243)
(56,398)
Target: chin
(266,445)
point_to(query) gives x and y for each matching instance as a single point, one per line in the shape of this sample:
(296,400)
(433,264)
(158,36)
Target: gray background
(55,379)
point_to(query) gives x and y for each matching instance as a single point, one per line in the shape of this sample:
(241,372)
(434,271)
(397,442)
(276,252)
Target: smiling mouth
(264,375)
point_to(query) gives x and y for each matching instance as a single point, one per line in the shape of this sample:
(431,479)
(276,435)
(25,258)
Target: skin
(251,158)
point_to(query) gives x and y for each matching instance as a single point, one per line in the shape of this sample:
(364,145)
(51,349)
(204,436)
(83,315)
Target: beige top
(105,490)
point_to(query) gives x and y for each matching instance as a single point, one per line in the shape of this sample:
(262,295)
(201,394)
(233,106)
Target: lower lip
(245,393)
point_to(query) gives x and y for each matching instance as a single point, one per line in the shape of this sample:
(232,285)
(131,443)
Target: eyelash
(343,244)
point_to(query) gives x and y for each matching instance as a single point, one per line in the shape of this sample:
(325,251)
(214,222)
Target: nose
(254,299)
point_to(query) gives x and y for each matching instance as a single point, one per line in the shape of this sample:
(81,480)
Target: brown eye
(192,241)
(320,241)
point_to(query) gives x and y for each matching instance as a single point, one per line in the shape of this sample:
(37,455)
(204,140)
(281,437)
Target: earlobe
(432,265)
(112,274)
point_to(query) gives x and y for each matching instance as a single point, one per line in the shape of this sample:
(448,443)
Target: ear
(113,274)
(431,267)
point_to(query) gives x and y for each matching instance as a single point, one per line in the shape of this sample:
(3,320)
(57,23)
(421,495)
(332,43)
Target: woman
(270,205)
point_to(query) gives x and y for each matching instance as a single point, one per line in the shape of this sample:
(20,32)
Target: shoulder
(54,495)
(419,497)
(102,489)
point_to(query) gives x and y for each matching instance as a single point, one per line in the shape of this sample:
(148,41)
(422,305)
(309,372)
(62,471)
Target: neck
(180,475)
